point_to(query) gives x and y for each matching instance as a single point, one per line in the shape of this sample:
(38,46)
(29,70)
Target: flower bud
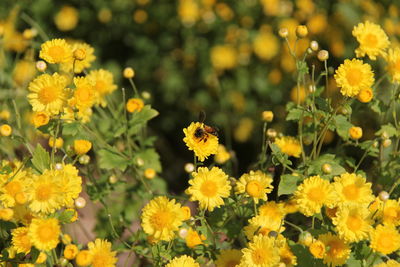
(149,173)
(355,132)
(387,143)
(189,167)
(323,55)
(112,179)
(365,95)
(305,238)
(283,32)
(80,54)
(271,133)
(326,168)
(267,116)
(146,95)
(129,73)
(383,195)
(314,46)
(384,135)
(301,31)
(139,162)
(84,159)
(183,233)
(41,65)
(80,203)
(5,130)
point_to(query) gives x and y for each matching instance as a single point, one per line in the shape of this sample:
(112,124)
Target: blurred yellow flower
(84,95)
(228,258)
(40,119)
(393,64)
(351,188)
(261,252)
(373,40)
(317,249)
(262,225)
(289,146)
(337,250)
(20,240)
(222,155)
(70,251)
(223,57)
(193,238)
(184,260)
(355,132)
(23,72)
(79,65)
(134,104)
(266,45)
(102,255)
(103,81)
(365,95)
(188,11)
(84,258)
(67,18)
(82,146)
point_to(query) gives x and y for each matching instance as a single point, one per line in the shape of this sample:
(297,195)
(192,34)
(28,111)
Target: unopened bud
(314,46)
(58,166)
(80,203)
(323,55)
(383,195)
(84,159)
(301,31)
(283,32)
(271,133)
(129,73)
(189,167)
(387,142)
(80,54)
(326,168)
(112,179)
(41,65)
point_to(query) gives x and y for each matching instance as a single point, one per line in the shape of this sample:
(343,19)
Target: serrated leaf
(389,129)
(304,257)
(315,167)
(342,126)
(112,160)
(287,184)
(138,119)
(295,114)
(71,128)
(40,159)
(66,216)
(150,158)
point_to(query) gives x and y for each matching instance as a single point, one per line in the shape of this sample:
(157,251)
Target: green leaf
(342,126)
(34,254)
(110,159)
(304,257)
(295,114)
(389,129)
(40,159)
(287,184)
(138,119)
(315,167)
(66,216)
(151,159)
(71,128)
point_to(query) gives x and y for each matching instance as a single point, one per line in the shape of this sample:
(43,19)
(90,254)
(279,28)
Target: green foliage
(40,159)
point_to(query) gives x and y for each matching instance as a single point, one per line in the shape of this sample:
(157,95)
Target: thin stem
(294,226)
(135,91)
(34,24)
(361,160)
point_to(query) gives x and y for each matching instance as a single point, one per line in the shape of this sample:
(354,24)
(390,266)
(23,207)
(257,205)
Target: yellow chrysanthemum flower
(289,146)
(287,256)
(202,143)
(184,260)
(48,93)
(209,187)
(23,72)
(70,251)
(262,225)
(389,263)
(390,212)
(312,194)
(223,57)
(79,65)
(193,238)
(317,249)
(260,252)
(84,258)
(272,210)
(20,240)
(161,217)
(385,239)
(352,76)
(222,155)
(14,191)
(103,81)
(228,258)
(82,146)
(353,223)
(102,254)
(56,51)
(44,233)
(84,95)
(373,40)
(393,64)
(337,250)
(255,184)
(67,18)
(351,188)
(70,184)
(266,45)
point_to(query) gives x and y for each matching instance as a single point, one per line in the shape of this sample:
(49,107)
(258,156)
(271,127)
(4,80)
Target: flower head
(56,51)
(79,65)
(393,64)
(184,260)
(261,252)
(84,95)
(202,143)
(255,184)
(373,40)
(44,233)
(385,239)
(20,240)
(103,81)
(82,146)
(289,146)
(223,57)
(262,225)
(228,258)
(209,187)
(101,253)
(351,188)
(337,250)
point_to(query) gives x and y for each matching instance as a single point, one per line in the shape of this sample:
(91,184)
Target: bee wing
(202,116)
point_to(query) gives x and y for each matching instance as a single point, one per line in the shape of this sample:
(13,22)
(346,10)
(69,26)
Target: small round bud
(309,51)
(129,73)
(146,95)
(305,238)
(272,234)
(365,95)
(41,65)
(323,55)
(80,54)
(283,32)
(271,133)
(183,233)
(326,168)
(66,239)
(5,130)
(58,166)
(189,167)
(29,33)
(5,114)
(301,31)
(375,144)
(383,195)
(387,143)
(139,162)
(80,203)
(112,179)
(63,262)
(384,135)
(267,116)
(307,140)
(57,143)
(149,173)
(314,46)
(355,132)
(84,159)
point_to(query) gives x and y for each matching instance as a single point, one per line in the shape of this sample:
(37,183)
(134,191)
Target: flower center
(83,94)
(13,188)
(43,192)
(396,66)
(315,194)
(161,219)
(385,241)
(354,223)
(260,256)
(351,192)
(100,86)
(209,189)
(354,76)
(56,52)
(231,263)
(336,249)
(47,94)
(390,213)
(370,40)
(25,241)
(46,233)
(254,189)
(264,231)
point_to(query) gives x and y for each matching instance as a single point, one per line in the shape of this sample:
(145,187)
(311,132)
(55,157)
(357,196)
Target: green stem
(294,226)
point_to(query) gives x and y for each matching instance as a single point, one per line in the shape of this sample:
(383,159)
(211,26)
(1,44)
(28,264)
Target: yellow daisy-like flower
(373,40)
(260,252)
(84,258)
(272,210)
(317,249)
(289,146)
(351,188)
(161,217)
(353,223)
(209,187)
(391,212)
(13,192)
(385,239)
(228,258)
(223,57)
(70,251)
(102,254)
(352,76)
(266,45)
(56,51)
(337,250)
(389,263)
(79,65)
(20,240)
(393,64)
(262,225)
(312,194)
(44,233)
(184,260)
(84,95)
(193,238)
(48,93)
(70,184)
(222,155)
(287,256)
(103,81)
(202,143)
(255,184)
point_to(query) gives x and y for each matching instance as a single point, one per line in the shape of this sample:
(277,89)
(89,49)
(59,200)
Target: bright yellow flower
(373,40)
(188,11)
(273,210)
(337,250)
(40,119)
(13,191)
(223,57)
(391,212)
(193,238)
(67,18)
(48,93)
(389,263)
(209,187)
(353,223)
(365,95)
(352,76)
(103,81)
(287,256)
(312,194)
(385,239)
(102,255)
(228,258)
(134,104)
(351,188)
(70,251)
(79,65)
(202,143)
(181,261)
(262,225)
(255,184)
(266,45)
(262,252)
(44,233)
(6,214)
(393,63)
(161,217)
(84,95)
(70,184)
(56,51)
(82,146)
(20,240)
(289,146)
(84,258)
(317,249)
